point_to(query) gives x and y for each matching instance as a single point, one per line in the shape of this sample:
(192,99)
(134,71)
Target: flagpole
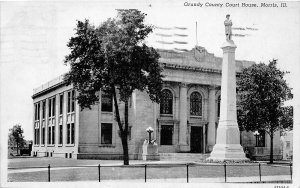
(196,34)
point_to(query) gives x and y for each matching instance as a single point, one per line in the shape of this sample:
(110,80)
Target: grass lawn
(109,173)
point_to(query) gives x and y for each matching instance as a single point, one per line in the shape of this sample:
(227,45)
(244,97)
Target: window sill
(166,115)
(70,145)
(50,145)
(107,146)
(200,117)
(106,112)
(59,145)
(36,145)
(43,145)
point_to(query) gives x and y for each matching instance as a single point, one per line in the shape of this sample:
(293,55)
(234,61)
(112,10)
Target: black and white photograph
(149,93)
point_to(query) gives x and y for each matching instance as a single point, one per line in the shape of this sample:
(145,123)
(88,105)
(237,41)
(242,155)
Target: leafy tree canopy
(16,137)
(113,55)
(262,91)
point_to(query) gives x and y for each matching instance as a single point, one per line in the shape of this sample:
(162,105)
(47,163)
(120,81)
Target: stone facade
(189,118)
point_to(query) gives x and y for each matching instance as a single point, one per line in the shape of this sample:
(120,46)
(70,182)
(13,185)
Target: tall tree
(262,91)
(114,58)
(15,137)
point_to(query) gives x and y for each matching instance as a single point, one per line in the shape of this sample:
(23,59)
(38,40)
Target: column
(65,118)
(228,145)
(40,123)
(56,135)
(46,122)
(211,132)
(183,117)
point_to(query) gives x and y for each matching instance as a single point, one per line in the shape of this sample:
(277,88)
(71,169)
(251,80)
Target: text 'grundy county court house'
(185,121)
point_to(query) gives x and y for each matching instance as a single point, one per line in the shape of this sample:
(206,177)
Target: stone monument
(228,147)
(150,148)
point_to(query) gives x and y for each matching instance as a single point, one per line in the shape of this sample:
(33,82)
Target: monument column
(211,118)
(183,117)
(228,136)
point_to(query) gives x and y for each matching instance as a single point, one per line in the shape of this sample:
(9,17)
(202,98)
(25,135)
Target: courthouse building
(185,121)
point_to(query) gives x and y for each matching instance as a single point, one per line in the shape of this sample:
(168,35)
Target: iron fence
(146,167)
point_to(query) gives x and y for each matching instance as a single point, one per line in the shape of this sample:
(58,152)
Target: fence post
(99,172)
(145,173)
(225,171)
(48,172)
(259,172)
(291,171)
(187,173)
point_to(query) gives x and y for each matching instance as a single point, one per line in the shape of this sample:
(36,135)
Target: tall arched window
(166,104)
(196,104)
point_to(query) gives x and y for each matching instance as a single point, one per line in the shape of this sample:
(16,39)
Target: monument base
(183,148)
(227,152)
(150,151)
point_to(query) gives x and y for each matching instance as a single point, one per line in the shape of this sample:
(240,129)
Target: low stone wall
(266,157)
(107,156)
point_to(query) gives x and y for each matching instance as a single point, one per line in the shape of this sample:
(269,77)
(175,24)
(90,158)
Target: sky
(34,37)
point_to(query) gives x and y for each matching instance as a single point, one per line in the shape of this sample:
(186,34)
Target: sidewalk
(264,179)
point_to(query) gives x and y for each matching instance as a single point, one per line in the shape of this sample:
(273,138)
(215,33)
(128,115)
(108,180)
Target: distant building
(185,121)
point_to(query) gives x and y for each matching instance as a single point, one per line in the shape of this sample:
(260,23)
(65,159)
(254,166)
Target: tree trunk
(125,148)
(123,131)
(125,134)
(271,148)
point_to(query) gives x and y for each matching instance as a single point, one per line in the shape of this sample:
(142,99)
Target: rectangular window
(260,139)
(44,109)
(166,135)
(61,102)
(35,136)
(49,107)
(35,112)
(68,133)
(72,133)
(106,102)
(53,107)
(38,112)
(106,133)
(71,101)
(53,134)
(43,135)
(60,134)
(49,135)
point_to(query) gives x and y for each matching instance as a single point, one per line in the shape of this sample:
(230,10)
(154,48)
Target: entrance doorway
(196,139)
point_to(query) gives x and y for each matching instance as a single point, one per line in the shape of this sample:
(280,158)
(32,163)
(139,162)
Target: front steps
(188,157)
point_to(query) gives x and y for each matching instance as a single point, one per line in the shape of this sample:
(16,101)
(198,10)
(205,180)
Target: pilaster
(211,118)
(183,117)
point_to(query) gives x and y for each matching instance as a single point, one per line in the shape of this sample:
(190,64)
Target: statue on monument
(228,24)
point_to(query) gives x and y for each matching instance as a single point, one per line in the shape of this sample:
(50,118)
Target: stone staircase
(188,157)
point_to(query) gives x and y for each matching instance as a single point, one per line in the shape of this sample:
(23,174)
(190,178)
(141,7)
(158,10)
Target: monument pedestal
(150,151)
(228,146)
(183,148)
